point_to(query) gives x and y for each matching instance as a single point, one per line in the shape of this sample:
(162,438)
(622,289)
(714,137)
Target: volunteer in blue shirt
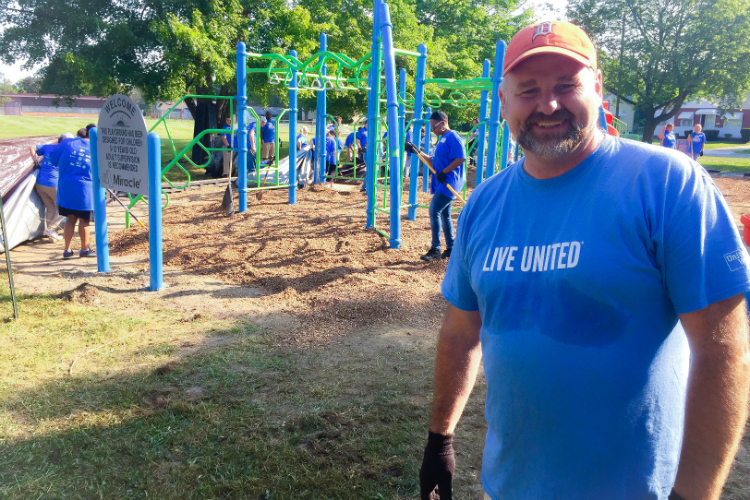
(667,137)
(599,281)
(75,195)
(361,137)
(349,145)
(46,183)
(448,161)
(697,142)
(302,143)
(252,132)
(229,158)
(267,137)
(333,146)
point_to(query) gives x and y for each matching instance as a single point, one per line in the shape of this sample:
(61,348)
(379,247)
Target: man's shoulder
(648,159)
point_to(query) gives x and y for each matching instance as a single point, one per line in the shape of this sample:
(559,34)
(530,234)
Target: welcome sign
(123,153)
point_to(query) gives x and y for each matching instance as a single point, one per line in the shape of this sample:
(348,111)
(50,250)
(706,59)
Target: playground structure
(388,102)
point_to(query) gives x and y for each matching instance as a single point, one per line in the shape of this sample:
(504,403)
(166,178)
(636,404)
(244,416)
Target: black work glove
(441,177)
(411,148)
(701,152)
(438,465)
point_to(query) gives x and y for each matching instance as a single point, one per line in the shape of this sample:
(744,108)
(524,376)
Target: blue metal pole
(395,126)
(495,106)
(100,208)
(293,134)
(373,106)
(241,127)
(417,132)
(426,148)
(482,131)
(506,146)
(320,141)
(155,252)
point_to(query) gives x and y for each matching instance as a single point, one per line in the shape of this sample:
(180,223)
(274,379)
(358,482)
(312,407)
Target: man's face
(438,127)
(229,121)
(670,127)
(551,104)
(697,129)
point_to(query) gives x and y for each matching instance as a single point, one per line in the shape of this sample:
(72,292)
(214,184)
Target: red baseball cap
(556,37)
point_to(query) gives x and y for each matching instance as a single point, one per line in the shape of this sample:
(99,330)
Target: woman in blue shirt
(302,143)
(75,193)
(46,184)
(667,137)
(697,141)
(448,161)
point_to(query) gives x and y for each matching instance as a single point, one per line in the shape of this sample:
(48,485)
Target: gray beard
(553,146)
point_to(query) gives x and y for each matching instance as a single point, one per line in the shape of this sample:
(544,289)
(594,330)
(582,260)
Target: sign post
(121,162)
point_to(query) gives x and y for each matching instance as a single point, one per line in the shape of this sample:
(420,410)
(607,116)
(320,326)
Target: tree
(30,85)
(6,88)
(173,47)
(656,54)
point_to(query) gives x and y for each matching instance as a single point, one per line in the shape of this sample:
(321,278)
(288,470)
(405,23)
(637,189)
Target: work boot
(446,254)
(433,254)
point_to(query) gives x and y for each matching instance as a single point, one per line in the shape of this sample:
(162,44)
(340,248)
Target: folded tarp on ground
(24,210)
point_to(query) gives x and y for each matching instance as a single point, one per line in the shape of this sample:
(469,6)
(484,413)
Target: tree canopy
(656,54)
(170,48)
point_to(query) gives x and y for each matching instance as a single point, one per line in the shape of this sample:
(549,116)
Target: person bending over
(46,183)
(75,195)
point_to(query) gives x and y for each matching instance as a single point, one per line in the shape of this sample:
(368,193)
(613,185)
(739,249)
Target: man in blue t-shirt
(697,141)
(599,281)
(447,161)
(267,137)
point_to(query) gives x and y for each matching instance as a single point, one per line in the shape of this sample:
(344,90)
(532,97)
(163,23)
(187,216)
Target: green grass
(725,164)
(237,420)
(181,132)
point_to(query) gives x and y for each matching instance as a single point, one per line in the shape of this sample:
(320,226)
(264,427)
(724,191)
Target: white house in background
(705,113)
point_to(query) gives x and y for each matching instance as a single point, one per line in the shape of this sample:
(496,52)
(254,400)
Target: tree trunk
(650,126)
(204,118)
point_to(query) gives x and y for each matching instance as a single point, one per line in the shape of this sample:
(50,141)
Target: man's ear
(598,84)
(502,101)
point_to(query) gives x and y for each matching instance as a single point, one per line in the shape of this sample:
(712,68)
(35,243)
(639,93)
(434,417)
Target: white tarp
(23,213)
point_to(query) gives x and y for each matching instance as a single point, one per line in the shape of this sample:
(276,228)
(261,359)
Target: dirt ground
(309,274)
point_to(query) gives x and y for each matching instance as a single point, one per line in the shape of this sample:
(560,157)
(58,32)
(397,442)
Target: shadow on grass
(233,418)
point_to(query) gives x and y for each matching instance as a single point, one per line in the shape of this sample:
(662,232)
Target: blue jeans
(440,214)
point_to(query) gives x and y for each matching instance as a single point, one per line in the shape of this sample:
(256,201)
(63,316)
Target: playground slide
(22,206)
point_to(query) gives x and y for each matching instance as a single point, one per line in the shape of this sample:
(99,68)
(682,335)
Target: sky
(545,10)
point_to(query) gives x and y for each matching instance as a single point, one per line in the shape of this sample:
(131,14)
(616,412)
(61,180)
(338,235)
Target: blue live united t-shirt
(74,189)
(268,132)
(579,281)
(450,147)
